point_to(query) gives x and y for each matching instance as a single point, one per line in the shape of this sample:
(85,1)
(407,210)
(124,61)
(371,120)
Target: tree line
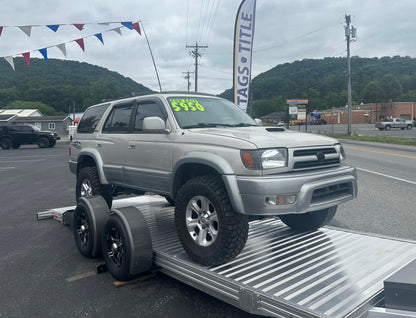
(55,87)
(324,83)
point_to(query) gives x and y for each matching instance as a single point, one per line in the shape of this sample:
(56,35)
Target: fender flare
(95,155)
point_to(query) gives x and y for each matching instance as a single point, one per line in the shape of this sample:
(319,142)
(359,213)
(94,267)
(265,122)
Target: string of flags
(27,29)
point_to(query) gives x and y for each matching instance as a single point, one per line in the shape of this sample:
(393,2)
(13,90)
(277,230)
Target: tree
(372,93)
(392,89)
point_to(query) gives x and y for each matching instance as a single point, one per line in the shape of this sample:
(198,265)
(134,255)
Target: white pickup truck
(394,123)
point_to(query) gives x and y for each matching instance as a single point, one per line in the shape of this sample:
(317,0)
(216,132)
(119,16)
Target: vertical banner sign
(243,46)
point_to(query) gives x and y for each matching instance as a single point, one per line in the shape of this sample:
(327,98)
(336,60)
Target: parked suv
(15,135)
(214,163)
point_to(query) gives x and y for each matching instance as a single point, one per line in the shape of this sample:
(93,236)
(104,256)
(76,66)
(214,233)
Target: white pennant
(62,48)
(27,29)
(9,59)
(118,30)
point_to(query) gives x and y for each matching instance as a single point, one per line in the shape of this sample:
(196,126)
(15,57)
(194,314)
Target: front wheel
(409,127)
(310,220)
(43,142)
(88,184)
(210,231)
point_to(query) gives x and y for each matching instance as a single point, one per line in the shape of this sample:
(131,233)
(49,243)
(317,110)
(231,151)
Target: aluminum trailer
(329,272)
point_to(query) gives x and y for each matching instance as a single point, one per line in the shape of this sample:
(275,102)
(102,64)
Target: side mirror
(258,121)
(154,124)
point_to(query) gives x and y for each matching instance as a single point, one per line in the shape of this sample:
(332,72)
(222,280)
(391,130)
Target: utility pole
(187,77)
(350,33)
(195,54)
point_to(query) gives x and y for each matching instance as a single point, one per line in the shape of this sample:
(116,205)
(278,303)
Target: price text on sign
(186,105)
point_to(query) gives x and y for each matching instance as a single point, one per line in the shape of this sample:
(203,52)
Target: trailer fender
(127,243)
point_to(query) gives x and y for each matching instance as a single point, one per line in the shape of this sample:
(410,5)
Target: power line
(187,77)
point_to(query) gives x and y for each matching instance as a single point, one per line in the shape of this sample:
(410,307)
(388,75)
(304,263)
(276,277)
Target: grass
(380,139)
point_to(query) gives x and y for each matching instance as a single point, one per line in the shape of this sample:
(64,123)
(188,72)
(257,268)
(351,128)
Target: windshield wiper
(200,125)
(243,125)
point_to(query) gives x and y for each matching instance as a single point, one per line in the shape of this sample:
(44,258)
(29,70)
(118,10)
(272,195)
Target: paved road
(43,275)
(359,129)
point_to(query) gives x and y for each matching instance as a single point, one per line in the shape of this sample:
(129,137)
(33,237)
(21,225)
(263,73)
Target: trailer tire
(210,231)
(127,244)
(310,220)
(88,184)
(90,216)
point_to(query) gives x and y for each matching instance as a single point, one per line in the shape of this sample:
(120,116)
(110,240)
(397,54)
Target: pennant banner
(62,46)
(9,59)
(26,56)
(44,53)
(243,46)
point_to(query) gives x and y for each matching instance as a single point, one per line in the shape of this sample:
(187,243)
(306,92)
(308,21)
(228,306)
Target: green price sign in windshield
(186,105)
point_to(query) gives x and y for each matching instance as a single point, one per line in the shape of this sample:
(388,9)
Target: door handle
(99,145)
(132,147)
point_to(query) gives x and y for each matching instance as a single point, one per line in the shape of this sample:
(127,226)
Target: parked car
(394,123)
(14,136)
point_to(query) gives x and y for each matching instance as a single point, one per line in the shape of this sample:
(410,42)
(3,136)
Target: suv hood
(261,137)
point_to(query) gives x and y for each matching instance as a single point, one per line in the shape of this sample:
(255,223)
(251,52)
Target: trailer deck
(329,272)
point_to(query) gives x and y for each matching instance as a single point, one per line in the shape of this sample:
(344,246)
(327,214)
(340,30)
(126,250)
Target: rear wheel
(43,142)
(209,229)
(5,143)
(309,221)
(388,127)
(88,184)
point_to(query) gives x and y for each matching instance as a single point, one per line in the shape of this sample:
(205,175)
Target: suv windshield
(199,112)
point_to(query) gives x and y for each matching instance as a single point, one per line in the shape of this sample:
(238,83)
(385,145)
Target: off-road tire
(309,221)
(5,143)
(43,142)
(88,184)
(229,228)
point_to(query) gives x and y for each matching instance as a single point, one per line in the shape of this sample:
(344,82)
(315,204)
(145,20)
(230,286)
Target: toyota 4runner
(219,167)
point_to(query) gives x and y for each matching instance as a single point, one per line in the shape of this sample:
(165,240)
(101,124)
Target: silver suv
(218,166)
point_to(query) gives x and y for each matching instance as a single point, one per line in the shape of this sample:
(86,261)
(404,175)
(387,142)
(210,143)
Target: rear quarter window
(91,118)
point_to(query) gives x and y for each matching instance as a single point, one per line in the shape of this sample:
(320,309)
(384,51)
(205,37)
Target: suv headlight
(264,158)
(341,152)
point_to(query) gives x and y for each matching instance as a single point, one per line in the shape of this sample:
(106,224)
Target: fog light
(280,199)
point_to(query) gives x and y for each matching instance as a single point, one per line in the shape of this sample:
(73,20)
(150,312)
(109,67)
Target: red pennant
(136,26)
(79,26)
(1,30)
(26,56)
(81,43)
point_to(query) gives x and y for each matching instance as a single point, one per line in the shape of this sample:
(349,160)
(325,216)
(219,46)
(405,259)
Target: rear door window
(91,118)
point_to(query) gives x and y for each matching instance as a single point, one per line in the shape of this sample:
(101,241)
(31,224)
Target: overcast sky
(286,31)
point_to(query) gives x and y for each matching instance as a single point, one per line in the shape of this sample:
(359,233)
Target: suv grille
(312,158)
(334,191)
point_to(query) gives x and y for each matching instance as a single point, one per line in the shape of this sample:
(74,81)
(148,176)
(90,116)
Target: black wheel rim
(83,228)
(115,247)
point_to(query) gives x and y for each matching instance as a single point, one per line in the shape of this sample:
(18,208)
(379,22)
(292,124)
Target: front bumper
(314,191)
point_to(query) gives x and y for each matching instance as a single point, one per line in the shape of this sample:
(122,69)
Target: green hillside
(56,85)
(324,83)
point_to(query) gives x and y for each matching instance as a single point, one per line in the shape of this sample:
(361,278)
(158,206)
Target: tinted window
(146,109)
(91,118)
(119,119)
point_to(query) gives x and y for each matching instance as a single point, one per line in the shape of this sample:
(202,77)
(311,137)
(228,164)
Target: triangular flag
(136,27)
(79,26)
(62,48)
(99,37)
(81,43)
(53,27)
(26,56)
(9,59)
(1,30)
(127,25)
(45,54)
(117,30)
(27,29)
